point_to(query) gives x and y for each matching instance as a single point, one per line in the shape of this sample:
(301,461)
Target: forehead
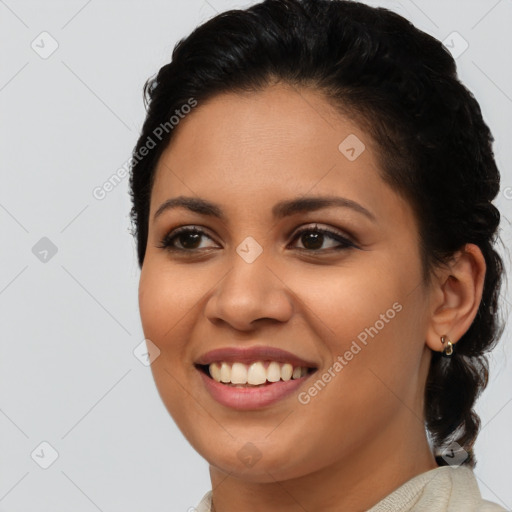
(279,135)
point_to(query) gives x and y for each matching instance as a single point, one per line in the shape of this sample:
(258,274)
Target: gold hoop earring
(448,350)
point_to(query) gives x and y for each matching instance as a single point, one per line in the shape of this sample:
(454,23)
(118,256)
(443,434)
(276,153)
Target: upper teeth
(255,373)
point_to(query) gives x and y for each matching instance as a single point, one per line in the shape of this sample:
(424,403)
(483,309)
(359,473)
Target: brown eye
(313,238)
(185,239)
(189,240)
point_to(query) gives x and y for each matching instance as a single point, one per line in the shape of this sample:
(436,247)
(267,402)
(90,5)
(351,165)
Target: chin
(253,463)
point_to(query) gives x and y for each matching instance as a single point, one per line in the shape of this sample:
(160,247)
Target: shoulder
(465,487)
(445,488)
(206,503)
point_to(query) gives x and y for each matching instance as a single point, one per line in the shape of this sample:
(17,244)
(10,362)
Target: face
(260,276)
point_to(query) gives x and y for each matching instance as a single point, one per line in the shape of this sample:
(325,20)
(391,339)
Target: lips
(237,391)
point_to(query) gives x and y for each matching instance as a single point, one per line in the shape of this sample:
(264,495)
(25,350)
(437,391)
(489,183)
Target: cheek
(370,321)
(166,296)
(347,302)
(370,316)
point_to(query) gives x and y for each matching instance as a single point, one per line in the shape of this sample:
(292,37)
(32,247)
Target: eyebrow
(279,211)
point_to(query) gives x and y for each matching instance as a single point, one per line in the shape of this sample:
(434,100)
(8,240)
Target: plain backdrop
(71,108)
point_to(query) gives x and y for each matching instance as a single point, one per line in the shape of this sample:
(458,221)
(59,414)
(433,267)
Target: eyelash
(345,243)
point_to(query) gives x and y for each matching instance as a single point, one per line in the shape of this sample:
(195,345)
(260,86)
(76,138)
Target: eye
(185,239)
(313,238)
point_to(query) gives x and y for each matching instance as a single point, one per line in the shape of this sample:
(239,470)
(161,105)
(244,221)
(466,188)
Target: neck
(354,484)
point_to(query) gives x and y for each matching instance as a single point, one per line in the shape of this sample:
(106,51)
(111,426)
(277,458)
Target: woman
(312,196)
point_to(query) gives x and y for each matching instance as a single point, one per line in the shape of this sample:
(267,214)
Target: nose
(249,294)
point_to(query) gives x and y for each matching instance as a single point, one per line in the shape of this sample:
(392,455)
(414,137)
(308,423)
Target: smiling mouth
(253,375)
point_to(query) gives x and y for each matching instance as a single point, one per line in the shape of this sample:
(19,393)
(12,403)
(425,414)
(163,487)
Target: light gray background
(68,375)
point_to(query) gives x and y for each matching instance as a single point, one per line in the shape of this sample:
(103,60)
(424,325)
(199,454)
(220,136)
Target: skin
(363,435)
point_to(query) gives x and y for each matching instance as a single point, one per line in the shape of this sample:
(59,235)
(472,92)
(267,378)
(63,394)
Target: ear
(455,295)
